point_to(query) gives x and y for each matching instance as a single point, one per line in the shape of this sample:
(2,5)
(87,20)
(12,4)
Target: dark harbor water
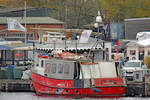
(32,96)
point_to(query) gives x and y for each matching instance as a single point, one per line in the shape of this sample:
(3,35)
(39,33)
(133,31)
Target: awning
(23,48)
(69,47)
(3,47)
(144,42)
(20,46)
(143,35)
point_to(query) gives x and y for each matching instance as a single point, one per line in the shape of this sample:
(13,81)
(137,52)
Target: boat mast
(25,5)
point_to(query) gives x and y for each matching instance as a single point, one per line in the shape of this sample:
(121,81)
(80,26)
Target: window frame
(53,69)
(133,52)
(60,68)
(66,68)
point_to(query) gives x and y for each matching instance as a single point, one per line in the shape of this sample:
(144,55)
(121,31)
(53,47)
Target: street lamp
(99,18)
(97,25)
(98,21)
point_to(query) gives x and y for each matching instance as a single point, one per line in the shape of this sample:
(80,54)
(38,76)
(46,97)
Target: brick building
(31,22)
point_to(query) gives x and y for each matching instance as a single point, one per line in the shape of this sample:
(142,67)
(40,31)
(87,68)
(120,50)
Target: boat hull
(48,86)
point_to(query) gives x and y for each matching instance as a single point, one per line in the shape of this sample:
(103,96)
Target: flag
(15,25)
(117,50)
(85,36)
(117,43)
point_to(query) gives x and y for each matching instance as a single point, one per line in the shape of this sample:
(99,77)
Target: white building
(138,49)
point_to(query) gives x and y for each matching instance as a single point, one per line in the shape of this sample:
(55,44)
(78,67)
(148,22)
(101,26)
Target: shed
(135,25)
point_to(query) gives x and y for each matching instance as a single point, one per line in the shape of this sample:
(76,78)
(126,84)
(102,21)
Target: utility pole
(66,13)
(97,25)
(66,10)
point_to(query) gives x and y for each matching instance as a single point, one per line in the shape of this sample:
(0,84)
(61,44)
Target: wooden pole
(25,22)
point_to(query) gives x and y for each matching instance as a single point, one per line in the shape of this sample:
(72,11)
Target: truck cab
(131,67)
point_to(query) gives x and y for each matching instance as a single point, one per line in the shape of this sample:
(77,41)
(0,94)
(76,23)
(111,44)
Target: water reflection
(32,96)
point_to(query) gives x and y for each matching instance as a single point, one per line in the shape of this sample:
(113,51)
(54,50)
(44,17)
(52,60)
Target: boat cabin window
(47,68)
(53,68)
(60,68)
(42,63)
(66,69)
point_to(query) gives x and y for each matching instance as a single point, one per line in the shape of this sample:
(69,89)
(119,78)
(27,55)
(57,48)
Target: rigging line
(92,48)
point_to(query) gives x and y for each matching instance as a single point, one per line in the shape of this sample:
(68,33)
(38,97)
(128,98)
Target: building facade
(136,51)
(135,25)
(33,25)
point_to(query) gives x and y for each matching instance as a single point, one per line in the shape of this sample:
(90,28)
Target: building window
(112,56)
(9,56)
(133,58)
(132,52)
(66,69)
(20,55)
(53,68)
(148,52)
(60,68)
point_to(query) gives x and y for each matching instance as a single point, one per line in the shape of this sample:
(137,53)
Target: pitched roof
(137,19)
(30,12)
(132,44)
(145,42)
(32,20)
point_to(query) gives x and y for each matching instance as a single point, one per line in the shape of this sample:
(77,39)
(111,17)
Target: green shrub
(147,61)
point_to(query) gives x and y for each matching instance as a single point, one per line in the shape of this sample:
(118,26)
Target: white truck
(133,70)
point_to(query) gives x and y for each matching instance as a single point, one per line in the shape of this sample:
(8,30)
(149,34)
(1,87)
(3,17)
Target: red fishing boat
(66,74)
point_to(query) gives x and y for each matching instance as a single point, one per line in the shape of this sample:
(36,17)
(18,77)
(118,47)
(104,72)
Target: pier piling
(16,85)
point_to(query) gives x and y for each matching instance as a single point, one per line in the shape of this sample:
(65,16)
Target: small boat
(67,74)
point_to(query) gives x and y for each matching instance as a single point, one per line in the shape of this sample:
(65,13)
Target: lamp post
(98,21)
(97,25)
